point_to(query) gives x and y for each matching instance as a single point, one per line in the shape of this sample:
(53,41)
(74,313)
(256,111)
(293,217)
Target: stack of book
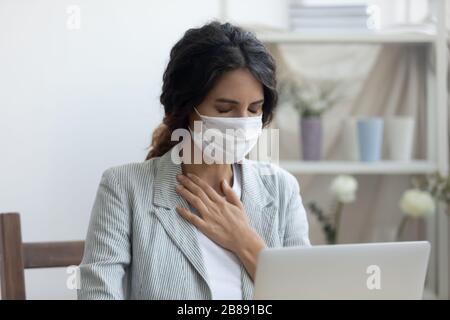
(333,17)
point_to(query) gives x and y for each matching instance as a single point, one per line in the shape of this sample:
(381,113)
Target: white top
(222,266)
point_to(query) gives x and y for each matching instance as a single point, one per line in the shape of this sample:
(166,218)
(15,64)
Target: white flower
(318,106)
(344,188)
(417,203)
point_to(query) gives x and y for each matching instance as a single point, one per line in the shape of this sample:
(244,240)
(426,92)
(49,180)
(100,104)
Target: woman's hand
(223,220)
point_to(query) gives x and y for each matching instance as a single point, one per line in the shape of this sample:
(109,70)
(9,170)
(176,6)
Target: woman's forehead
(237,85)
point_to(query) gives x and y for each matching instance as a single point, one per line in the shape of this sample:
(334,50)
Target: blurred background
(363,111)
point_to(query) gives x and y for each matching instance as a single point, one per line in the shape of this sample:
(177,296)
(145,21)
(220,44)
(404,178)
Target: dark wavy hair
(197,60)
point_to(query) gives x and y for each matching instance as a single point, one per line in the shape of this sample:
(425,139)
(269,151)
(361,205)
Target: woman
(161,229)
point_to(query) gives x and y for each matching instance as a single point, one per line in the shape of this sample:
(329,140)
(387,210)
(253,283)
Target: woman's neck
(212,174)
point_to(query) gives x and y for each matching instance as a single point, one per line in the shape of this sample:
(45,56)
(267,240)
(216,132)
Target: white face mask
(224,139)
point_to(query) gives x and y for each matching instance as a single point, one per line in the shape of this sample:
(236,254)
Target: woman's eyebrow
(236,102)
(258,102)
(227,100)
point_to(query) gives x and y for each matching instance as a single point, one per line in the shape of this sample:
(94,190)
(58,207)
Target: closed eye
(255,109)
(223,109)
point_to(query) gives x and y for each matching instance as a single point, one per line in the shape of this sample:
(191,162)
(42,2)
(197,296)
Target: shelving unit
(337,167)
(347,38)
(435,109)
(437,132)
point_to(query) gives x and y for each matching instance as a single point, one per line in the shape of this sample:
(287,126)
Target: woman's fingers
(192,218)
(193,188)
(202,189)
(230,195)
(194,200)
(212,194)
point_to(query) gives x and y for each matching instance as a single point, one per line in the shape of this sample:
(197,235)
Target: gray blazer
(139,247)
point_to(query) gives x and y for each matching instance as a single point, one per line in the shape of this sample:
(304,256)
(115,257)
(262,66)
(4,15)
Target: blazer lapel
(261,210)
(166,199)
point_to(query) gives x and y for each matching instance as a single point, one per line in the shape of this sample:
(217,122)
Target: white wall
(75,102)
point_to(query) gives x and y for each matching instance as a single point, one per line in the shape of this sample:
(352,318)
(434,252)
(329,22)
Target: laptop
(389,270)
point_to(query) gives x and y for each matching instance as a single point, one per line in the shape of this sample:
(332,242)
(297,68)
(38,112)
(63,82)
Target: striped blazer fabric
(139,247)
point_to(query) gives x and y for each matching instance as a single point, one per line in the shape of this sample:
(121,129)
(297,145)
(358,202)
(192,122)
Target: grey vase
(311,137)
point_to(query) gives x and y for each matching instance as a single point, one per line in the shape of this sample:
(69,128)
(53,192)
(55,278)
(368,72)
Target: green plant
(330,223)
(436,184)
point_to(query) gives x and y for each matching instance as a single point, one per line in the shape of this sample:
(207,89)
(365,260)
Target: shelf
(345,37)
(343,167)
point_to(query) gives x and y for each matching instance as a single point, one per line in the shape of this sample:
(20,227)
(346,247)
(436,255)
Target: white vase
(399,138)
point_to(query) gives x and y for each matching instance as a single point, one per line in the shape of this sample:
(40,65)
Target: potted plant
(343,189)
(311,100)
(415,204)
(419,201)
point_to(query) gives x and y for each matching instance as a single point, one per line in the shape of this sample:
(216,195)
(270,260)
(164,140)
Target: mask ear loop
(196,111)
